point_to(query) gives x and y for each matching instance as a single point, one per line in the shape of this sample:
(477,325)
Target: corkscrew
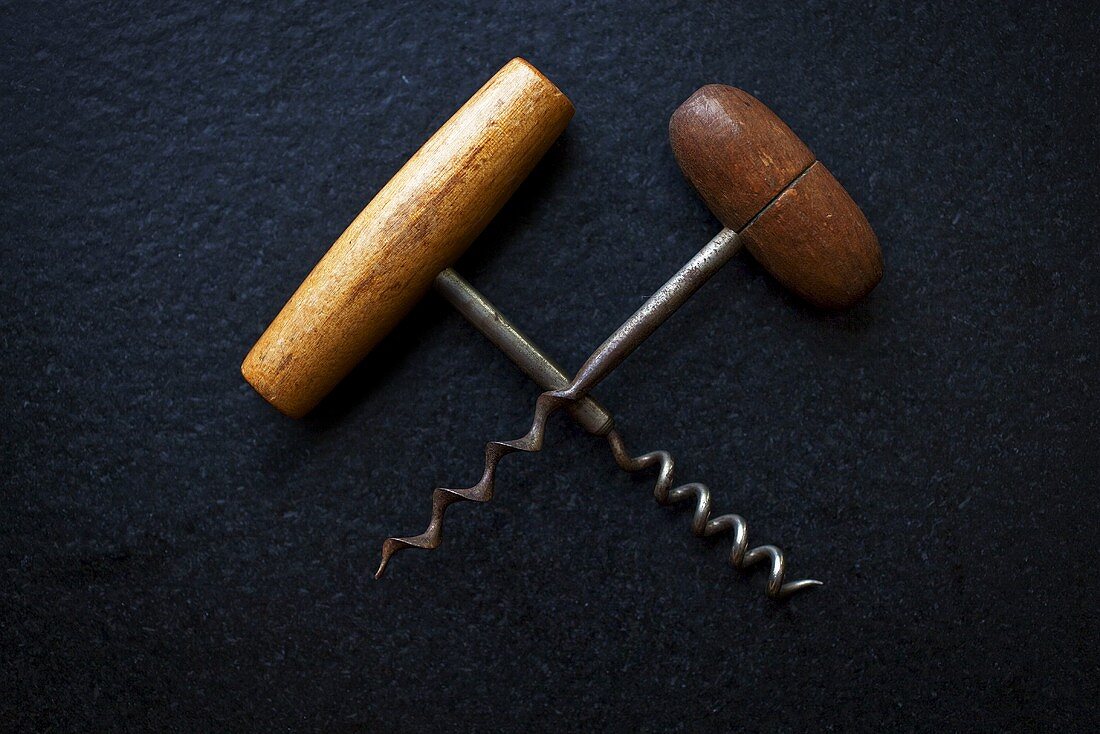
(755,175)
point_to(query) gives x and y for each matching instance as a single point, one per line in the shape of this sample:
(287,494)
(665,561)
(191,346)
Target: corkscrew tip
(392,545)
(796,586)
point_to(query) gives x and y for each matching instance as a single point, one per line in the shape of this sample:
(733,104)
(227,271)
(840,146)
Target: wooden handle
(760,180)
(416,226)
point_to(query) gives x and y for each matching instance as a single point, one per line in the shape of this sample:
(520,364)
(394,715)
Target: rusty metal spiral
(703,525)
(443,497)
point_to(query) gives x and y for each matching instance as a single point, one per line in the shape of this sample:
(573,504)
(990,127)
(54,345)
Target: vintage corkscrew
(757,177)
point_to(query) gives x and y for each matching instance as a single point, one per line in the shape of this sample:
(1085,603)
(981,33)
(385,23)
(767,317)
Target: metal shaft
(536,364)
(654,312)
(592,416)
(486,318)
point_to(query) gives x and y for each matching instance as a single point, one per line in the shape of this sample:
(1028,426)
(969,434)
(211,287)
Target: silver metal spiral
(703,525)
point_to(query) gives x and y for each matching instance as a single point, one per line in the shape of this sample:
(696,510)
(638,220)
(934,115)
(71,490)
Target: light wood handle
(416,226)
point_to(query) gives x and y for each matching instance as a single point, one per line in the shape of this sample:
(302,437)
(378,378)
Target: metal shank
(535,363)
(572,395)
(654,312)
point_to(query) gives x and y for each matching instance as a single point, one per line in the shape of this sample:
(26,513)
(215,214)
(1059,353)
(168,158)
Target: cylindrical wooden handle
(416,226)
(760,180)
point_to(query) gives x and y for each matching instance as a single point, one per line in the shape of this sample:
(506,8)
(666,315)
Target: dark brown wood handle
(760,180)
(416,226)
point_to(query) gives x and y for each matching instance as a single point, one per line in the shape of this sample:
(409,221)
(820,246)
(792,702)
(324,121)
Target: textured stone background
(176,555)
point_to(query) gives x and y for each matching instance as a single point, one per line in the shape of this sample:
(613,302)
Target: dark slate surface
(176,555)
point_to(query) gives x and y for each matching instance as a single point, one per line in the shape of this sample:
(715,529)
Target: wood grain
(816,242)
(416,226)
(759,179)
(736,152)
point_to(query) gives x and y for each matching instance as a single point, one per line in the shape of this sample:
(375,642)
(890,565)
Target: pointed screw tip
(382,567)
(790,589)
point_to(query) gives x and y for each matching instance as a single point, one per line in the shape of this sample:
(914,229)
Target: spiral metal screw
(703,525)
(593,416)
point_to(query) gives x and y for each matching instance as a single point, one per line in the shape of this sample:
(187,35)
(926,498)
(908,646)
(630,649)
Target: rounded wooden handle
(760,180)
(416,226)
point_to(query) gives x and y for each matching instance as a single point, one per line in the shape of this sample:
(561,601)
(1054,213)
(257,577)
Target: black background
(176,554)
